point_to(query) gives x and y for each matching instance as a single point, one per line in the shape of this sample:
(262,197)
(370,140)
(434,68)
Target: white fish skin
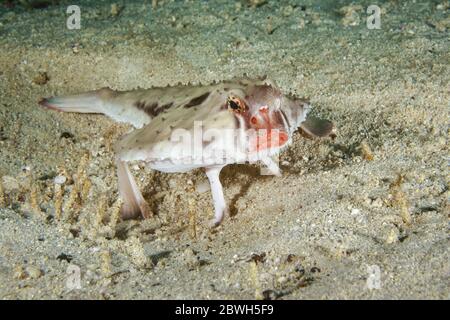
(240,105)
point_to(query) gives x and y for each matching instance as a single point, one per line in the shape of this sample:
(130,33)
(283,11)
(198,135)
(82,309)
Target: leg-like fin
(272,167)
(220,207)
(134,204)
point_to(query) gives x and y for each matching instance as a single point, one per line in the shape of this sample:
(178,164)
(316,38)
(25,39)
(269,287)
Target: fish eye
(232,104)
(235,104)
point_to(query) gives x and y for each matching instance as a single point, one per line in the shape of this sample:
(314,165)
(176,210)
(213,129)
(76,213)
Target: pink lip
(264,112)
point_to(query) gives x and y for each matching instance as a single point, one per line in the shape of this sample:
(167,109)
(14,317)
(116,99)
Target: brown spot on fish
(140,105)
(166,106)
(197,100)
(148,108)
(152,109)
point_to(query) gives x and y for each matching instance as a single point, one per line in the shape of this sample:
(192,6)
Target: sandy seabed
(363,216)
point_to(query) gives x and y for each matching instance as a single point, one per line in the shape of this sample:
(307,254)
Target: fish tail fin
(120,106)
(88,102)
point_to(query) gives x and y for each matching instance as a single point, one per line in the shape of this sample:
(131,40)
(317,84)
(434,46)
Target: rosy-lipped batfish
(184,127)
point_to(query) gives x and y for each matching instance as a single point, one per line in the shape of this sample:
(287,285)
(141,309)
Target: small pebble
(41,79)
(173,183)
(257,3)
(202,186)
(392,236)
(190,258)
(287,11)
(33,272)
(282,279)
(301,23)
(115,10)
(351,15)
(76,48)
(270,295)
(19,273)
(378,203)
(60,179)
(10,184)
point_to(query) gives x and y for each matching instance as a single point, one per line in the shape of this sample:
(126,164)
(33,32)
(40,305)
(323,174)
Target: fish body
(184,127)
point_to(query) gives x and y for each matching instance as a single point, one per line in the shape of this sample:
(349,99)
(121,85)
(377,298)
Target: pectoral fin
(220,206)
(134,204)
